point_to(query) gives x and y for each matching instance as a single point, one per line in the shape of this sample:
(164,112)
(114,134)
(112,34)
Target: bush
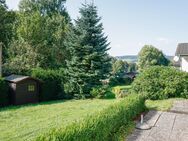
(98,92)
(121,91)
(51,86)
(114,81)
(109,94)
(102,92)
(102,126)
(4,99)
(161,83)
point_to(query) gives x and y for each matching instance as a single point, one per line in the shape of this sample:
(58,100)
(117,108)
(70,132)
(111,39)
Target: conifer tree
(89,62)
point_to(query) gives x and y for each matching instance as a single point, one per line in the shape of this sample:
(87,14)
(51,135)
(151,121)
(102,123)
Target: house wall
(184,65)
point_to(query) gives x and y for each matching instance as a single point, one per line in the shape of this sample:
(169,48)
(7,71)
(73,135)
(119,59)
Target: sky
(131,24)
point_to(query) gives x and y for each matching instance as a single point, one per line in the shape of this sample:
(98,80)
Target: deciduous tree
(151,56)
(7,19)
(22,58)
(43,24)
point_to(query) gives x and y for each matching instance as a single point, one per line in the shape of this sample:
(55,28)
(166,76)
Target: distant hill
(134,58)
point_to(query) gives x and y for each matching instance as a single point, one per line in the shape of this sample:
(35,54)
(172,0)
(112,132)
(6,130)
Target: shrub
(109,94)
(121,91)
(114,81)
(161,83)
(102,126)
(4,99)
(98,92)
(51,86)
(102,92)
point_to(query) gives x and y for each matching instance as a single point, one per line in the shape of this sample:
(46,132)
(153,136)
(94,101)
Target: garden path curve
(166,126)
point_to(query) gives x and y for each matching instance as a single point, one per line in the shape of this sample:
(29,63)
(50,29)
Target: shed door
(27,92)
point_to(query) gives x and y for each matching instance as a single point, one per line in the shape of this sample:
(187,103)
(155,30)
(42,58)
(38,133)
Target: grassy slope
(161,105)
(26,122)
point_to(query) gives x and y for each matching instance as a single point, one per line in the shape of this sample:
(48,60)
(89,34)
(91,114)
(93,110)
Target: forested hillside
(134,58)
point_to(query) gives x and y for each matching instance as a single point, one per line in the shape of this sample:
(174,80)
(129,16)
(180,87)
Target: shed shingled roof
(17,78)
(182,49)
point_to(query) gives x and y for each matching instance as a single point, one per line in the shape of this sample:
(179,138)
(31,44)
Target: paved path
(166,126)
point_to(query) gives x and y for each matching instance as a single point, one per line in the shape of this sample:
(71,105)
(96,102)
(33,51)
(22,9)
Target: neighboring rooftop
(182,49)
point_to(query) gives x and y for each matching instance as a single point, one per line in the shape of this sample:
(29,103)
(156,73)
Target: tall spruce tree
(89,62)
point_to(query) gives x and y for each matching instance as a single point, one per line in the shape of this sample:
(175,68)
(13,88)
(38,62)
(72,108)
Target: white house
(181,57)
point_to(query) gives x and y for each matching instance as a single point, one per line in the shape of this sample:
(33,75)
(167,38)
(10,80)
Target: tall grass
(102,126)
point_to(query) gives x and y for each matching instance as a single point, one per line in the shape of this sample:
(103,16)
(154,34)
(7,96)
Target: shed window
(31,88)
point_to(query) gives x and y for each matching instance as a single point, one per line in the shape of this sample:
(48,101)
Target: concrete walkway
(166,126)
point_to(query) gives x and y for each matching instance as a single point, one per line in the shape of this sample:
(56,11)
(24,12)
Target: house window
(31,88)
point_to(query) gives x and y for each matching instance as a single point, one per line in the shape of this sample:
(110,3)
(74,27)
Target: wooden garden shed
(23,89)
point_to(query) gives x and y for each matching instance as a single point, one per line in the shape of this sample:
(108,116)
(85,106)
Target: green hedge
(161,83)
(51,84)
(4,99)
(102,126)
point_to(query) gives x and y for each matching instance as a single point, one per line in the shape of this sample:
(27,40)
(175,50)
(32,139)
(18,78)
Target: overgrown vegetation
(161,83)
(101,126)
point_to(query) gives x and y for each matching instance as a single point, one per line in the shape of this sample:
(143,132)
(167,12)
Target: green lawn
(123,87)
(27,122)
(161,105)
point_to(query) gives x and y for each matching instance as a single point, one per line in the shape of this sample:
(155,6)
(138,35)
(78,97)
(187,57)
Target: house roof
(130,75)
(17,78)
(182,49)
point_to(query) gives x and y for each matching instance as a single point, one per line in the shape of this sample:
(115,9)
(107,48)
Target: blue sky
(130,24)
